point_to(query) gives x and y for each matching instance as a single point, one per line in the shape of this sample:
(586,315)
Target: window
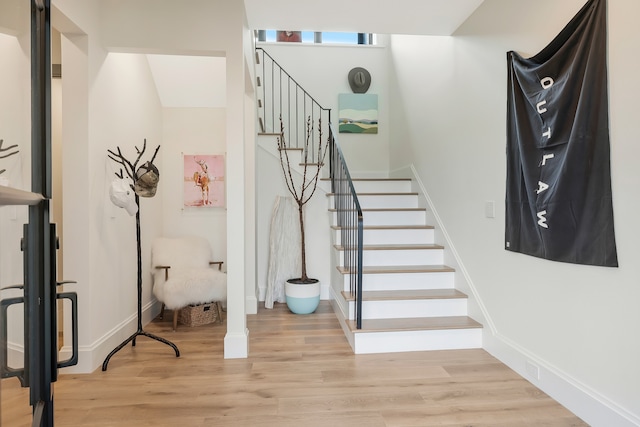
(316,37)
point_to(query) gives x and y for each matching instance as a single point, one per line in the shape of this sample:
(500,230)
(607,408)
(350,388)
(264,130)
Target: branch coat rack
(140,187)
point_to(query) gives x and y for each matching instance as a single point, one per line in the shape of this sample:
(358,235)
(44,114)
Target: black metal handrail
(349,221)
(285,106)
(284,109)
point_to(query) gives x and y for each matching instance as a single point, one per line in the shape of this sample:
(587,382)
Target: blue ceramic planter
(302,298)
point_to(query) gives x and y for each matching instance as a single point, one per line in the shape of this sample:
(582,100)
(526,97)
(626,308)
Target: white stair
(411,254)
(390,216)
(409,299)
(389,234)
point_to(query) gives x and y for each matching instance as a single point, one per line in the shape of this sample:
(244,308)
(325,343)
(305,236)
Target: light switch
(490,209)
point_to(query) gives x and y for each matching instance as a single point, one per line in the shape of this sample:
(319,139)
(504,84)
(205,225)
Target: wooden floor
(301,372)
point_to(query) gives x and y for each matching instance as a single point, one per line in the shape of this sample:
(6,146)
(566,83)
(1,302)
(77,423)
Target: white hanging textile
(284,249)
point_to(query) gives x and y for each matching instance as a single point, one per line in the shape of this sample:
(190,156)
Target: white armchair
(183,274)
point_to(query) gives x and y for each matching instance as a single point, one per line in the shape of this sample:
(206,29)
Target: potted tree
(302,293)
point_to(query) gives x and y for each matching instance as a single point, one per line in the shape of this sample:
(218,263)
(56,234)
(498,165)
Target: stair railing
(284,108)
(280,97)
(349,221)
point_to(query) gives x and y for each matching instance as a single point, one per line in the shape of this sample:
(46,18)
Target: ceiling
(200,81)
(189,81)
(419,17)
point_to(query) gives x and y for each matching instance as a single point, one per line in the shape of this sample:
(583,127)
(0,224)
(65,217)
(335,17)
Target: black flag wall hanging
(558,200)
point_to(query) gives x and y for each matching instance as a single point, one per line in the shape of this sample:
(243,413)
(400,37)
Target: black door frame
(39,240)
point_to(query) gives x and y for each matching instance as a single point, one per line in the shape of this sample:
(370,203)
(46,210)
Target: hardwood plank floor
(301,372)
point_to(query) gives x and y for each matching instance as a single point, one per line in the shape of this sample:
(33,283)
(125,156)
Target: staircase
(409,302)
(409,299)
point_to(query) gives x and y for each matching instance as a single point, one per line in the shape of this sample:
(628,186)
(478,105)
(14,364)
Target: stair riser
(382,186)
(388,237)
(398,257)
(390,218)
(410,308)
(383,201)
(270,144)
(403,281)
(390,342)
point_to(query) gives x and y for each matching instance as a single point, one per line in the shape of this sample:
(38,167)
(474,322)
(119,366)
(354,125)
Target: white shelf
(11,196)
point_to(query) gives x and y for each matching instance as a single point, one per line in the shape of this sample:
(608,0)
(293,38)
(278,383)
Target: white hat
(123,196)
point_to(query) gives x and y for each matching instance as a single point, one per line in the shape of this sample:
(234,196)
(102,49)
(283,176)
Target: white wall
(100,246)
(14,17)
(270,183)
(108,101)
(112,102)
(191,131)
(211,28)
(322,71)
(578,324)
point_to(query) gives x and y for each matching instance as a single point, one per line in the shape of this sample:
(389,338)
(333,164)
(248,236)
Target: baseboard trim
(584,402)
(592,407)
(15,355)
(262,293)
(251,305)
(236,345)
(91,357)
(342,320)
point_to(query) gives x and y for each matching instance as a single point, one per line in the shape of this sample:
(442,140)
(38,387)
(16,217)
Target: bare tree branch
(119,158)
(308,184)
(282,150)
(130,168)
(140,153)
(4,156)
(155,153)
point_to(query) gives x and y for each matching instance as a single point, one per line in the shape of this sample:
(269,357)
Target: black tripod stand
(140,331)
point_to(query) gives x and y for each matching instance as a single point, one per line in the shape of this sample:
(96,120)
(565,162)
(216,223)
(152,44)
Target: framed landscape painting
(204,184)
(358,113)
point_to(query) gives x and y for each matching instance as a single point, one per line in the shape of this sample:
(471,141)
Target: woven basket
(197,315)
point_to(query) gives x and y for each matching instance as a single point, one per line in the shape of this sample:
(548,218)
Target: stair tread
(388,227)
(380,179)
(401,269)
(414,324)
(418,294)
(382,193)
(391,247)
(373,179)
(383,209)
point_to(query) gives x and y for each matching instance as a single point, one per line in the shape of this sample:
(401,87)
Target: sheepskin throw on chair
(190,279)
